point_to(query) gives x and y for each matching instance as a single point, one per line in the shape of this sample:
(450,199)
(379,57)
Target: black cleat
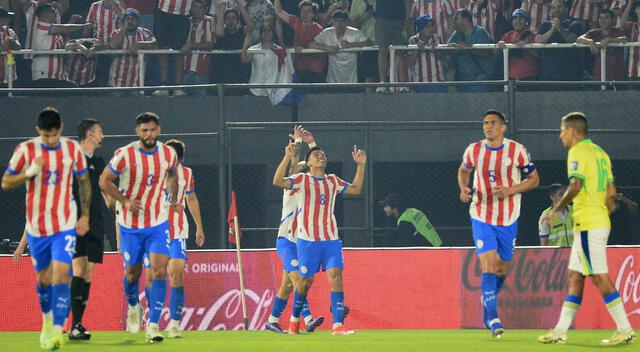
(78,332)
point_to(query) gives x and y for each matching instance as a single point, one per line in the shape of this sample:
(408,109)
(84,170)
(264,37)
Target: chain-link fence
(414,144)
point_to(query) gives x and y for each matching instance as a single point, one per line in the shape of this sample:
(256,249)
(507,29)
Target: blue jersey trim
(44,146)
(530,168)
(81,172)
(290,180)
(345,188)
(319,178)
(148,153)
(12,171)
(113,170)
(191,191)
(493,149)
(467,166)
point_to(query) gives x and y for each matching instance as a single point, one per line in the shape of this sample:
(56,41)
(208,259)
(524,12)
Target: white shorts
(589,252)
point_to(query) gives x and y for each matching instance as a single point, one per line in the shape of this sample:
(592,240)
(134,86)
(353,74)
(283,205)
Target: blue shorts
(178,249)
(288,253)
(59,247)
(135,242)
(313,254)
(489,237)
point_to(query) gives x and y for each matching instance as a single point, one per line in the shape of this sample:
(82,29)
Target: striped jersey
(175,7)
(316,201)
(502,166)
(290,210)
(142,176)
(484,16)
(538,13)
(105,19)
(584,11)
(202,32)
(49,198)
(29,9)
(47,66)
(81,70)
(428,67)
(634,52)
(178,224)
(5,34)
(439,10)
(125,69)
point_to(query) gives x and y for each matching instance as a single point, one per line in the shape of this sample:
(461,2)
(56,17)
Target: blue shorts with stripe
(489,237)
(312,255)
(177,250)
(288,253)
(136,242)
(59,247)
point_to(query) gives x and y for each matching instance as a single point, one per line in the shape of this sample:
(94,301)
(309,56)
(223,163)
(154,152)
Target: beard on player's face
(148,142)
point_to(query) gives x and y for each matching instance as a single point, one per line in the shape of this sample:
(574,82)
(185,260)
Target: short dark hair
(234,11)
(497,113)
(608,12)
(553,189)
(203,2)
(85,126)
(49,119)
(42,8)
(306,159)
(340,14)
(304,3)
(464,13)
(147,117)
(577,121)
(178,146)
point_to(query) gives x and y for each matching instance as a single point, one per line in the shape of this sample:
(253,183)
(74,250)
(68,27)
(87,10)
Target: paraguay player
(592,191)
(317,241)
(143,167)
(499,165)
(286,244)
(46,166)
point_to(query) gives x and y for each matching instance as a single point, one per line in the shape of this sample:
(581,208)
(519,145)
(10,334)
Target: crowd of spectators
(254,27)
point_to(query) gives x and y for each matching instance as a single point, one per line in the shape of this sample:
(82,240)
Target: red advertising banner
(385,289)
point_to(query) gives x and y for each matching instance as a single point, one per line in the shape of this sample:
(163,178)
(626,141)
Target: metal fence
(414,144)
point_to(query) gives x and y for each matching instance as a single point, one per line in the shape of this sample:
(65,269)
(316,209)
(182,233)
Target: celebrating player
(89,248)
(592,191)
(499,164)
(286,244)
(317,233)
(143,167)
(46,165)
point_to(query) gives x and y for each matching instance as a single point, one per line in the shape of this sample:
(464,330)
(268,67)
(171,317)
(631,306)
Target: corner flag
(232,219)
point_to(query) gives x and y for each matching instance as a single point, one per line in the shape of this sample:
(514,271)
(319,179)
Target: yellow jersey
(590,163)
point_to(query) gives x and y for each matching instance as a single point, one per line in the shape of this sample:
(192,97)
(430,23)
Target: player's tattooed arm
(84,186)
(278,177)
(172,187)
(360,157)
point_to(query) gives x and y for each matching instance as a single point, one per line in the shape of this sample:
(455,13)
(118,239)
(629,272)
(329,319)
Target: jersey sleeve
(79,161)
(191,184)
(18,160)
(543,227)
(467,158)
(576,164)
(341,185)
(323,37)
(296,180)
(525,164)
(118,163)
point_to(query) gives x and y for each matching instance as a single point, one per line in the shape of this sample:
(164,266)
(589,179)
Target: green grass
(363,340)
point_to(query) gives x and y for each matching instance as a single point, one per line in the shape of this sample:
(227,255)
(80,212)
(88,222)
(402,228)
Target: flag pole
(245,319)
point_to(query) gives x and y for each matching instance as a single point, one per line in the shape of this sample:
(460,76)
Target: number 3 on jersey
(150,180)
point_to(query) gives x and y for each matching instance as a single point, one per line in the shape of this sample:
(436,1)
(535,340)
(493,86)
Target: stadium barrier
(384,288)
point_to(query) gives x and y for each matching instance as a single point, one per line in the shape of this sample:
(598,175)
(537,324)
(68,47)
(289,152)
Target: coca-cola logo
(628,284)
(534,273)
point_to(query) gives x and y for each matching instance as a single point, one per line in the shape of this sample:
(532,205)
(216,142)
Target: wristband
(312,145)
(298,140)
(33,170)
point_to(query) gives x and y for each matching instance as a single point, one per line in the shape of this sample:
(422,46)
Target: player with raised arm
(143,168)
(46,166)
(286,243)
(592,191)
(318,244)
(499,165)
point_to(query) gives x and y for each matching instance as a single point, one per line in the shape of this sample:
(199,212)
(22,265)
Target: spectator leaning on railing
(425,64)
(201,37)
(442,13)
(8,41)
(262,11)
(522,62)
(105,16)
(343,66)
(81,68)
(560,64)
(599,38)
(484,13)
(630,18)
(264,65)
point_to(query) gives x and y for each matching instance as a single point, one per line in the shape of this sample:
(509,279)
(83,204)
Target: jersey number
(602,175)
(322,199)
(150,180)
(51,177)
(70,248)
(492,175)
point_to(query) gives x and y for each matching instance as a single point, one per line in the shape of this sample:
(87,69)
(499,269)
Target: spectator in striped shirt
(82,66)
(202,36)
(484,14)
(538,11)
(105,16)
(318,243)
(425,64)
(499,165)
(587,11)
(8,41)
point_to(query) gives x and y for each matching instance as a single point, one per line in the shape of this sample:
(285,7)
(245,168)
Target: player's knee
(287,287)
(159,273)
(176,278)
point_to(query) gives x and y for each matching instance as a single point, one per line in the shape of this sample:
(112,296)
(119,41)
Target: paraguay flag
(286,74)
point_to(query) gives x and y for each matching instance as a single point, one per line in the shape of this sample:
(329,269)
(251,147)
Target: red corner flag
(232,220)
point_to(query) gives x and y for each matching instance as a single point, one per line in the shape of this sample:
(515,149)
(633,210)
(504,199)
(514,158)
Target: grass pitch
(363,340)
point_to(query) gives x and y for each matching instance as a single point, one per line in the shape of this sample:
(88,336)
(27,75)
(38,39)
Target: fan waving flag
(286,74)
(232,220)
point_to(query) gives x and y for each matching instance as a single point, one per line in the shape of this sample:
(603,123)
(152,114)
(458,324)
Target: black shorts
(91,246)
(171,31)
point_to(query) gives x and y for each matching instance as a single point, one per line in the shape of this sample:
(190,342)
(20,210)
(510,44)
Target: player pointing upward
(499,164)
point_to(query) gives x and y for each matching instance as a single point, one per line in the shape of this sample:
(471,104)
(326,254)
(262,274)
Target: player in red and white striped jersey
(46,165)
(48,70)
(143,167)
(425,65)
(125,69)
(587,10)
(499,165)
(317,232)
(8,41)
(105,16)
(202,36)
(484,14)
(179,232)
(441,11)
(538,10)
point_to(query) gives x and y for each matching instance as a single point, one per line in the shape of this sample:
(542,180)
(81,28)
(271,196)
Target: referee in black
(89,248)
